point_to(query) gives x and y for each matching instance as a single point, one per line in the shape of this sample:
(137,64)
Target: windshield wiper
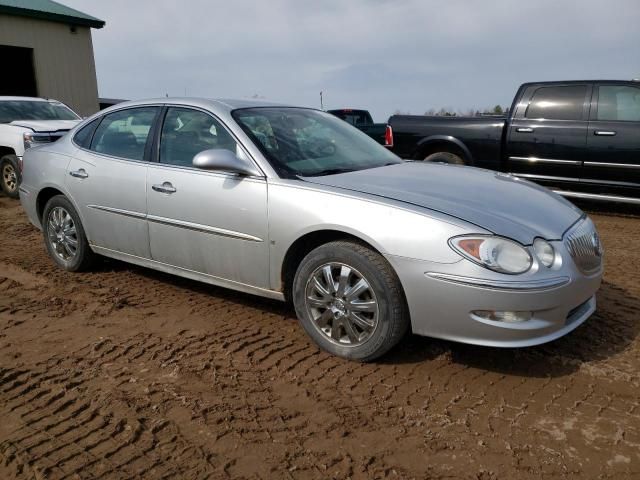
(331,171)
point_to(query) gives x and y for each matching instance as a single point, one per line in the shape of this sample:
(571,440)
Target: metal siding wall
(64,64)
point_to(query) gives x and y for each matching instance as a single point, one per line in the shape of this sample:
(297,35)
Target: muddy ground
(128,373)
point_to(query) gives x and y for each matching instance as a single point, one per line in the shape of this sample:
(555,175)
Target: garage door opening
(18,75)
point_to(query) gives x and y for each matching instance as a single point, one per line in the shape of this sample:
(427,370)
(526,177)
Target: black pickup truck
(582,138)
(362,120)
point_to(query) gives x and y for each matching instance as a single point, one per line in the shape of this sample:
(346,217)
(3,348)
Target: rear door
(614,138)
(107,179)
(547,136)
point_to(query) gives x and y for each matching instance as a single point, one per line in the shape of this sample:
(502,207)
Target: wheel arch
(307,242)
(6,151)
(49,191)
(443,143)
(43,197)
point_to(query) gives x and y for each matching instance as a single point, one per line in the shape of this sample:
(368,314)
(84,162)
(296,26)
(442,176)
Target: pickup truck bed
(480,135)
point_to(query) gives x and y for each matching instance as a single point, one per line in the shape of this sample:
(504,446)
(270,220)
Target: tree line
(471,112)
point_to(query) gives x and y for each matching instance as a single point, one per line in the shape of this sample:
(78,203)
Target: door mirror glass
(224,161)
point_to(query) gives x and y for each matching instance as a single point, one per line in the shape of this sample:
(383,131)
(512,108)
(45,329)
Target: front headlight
(544,251)
(495,253)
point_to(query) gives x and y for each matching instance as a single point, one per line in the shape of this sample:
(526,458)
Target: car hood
(46,125)
(500,203)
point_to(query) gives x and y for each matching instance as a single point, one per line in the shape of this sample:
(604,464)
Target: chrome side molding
(612,165)
(179,223)
(545,160)
(197,227)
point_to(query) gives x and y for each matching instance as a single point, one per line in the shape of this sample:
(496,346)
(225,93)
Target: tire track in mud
(60,433)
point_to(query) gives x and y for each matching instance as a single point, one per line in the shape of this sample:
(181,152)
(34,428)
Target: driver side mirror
(224,161)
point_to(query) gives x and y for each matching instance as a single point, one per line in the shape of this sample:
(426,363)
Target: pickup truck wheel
(350,301)
(9,175)
(64,235)
(445,157)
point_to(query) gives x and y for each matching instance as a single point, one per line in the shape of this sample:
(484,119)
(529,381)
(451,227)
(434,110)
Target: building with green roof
(46,50)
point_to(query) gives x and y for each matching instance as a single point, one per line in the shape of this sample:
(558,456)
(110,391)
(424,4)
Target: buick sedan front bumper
(444,301)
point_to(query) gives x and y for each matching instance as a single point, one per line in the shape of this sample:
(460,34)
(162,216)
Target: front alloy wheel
(349,300)
(342,304)
(9,178)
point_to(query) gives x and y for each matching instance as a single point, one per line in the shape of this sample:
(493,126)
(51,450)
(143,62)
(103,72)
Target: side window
(124,133)
(557,103)
(618,102)
(85,134)
(186,132)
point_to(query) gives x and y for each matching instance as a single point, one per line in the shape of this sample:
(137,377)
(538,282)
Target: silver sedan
(295,204)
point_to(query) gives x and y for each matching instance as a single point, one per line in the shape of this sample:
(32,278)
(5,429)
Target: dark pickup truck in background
(582,138)
(362,120)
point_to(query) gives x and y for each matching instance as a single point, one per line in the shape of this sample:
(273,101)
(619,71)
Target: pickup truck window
(354,117)
(619,103)
(557,103)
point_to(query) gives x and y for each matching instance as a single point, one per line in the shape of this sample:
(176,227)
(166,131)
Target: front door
(107,178)
(614,139)
(547,135)
(208,222)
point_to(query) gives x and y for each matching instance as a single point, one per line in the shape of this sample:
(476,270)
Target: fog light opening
(506,317)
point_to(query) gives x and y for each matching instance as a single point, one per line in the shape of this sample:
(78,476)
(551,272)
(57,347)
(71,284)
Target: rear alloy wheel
(64,236)
(9,179)
(445,157)
(349,300)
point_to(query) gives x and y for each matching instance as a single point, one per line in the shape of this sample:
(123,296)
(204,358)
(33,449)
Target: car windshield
(11,110)
(305,142)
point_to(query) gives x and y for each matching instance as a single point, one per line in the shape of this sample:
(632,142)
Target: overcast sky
(383,55)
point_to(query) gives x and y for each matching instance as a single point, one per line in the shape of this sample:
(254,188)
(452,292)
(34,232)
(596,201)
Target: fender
(445,139)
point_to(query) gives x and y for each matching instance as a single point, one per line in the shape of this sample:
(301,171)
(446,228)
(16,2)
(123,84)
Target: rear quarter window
(83,137)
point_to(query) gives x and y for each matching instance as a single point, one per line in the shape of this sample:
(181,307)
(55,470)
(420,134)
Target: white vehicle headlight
(35,139)
(544,251)
(495,253)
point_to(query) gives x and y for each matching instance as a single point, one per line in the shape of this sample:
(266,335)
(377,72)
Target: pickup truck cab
(27,122)
(362,120)
(582,138)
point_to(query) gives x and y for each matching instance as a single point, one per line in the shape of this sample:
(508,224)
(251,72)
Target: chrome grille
(584,245)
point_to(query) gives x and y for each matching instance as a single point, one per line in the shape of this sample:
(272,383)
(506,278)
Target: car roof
(28,99)
(217,103)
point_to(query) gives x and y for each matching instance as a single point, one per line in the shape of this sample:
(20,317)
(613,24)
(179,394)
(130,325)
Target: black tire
(391,318)
(83,256)
(10,176)
(445,157)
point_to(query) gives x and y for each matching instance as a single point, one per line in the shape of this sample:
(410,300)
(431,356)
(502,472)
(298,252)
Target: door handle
(82,173)
(166,187)
(604,133)
(524,130)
